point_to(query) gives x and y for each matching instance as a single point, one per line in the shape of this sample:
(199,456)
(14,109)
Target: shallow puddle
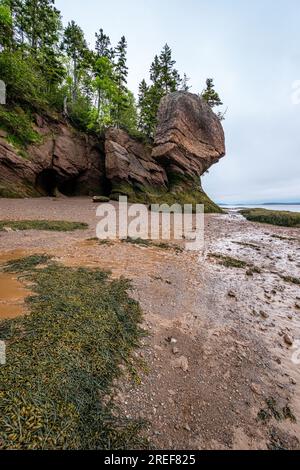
(12,291)
(12,296)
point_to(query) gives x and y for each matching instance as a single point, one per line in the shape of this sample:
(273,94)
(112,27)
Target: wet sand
(217,351)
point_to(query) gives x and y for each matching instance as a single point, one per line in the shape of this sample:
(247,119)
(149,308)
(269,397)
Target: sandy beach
(221,361)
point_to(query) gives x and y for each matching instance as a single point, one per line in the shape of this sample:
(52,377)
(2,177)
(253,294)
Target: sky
(251,49)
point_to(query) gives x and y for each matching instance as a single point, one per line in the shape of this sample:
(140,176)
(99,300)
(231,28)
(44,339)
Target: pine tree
(6,24)
(40,22)
(121,73)
(184,83)
(210,95)
(103,45)
(144,106)
(155,70)
(165,79)
(169,77)
(75,46)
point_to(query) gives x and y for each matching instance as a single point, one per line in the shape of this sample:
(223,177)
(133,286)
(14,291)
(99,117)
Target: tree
(121,73)
(184,83)
(103,45)
(165,79)
(168,76)
(75,46)
(210,95)
(106,90)
(144,122)
(6,24)
(41,23)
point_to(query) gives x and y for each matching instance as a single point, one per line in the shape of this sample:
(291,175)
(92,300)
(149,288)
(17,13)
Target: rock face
(65,162)
(129,161)
(189,137)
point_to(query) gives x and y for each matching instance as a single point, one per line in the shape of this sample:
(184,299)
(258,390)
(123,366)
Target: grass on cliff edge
(281,218)
(189,193)
(63,359)
(49,225)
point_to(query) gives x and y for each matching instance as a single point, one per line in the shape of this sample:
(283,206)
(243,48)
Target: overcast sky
(252,50)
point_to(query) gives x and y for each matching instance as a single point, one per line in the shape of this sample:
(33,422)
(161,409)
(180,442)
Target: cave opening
(46,182)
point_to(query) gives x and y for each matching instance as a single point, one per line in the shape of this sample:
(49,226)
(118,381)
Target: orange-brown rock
(189,136)
(129,161)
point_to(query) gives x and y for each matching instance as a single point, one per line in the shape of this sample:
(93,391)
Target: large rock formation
(65,162)
(129,161)
(189,136)
(189,139)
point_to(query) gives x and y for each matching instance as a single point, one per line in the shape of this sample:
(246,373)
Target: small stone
(187,428)
(293,381)
(255,389)
(181,363)
(297,305)
(175,350)
(173,341)
(100,199)
(264,314)
(172,393)
(232,294)
(288,340)
(290,317)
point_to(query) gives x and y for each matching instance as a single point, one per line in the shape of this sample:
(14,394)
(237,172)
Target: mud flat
(222,361)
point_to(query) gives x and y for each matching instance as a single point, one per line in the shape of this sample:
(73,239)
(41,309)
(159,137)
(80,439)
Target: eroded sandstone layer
(189,139)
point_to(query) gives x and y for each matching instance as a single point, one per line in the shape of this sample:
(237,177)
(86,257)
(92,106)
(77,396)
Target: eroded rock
(189,137)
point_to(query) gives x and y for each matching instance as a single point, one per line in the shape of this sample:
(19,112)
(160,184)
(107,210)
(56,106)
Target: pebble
(232,294)
(264,314)
(181,363)
(288,340)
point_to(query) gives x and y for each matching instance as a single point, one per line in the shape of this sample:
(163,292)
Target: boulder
(66,162)
(129,161)
(189,136)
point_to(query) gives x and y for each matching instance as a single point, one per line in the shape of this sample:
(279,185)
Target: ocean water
(273,207)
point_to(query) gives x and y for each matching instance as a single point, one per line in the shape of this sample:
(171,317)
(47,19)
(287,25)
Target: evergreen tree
(6,24)
(144,123)
(210,95)
(103,45)
(165,79)
(40,22)
(75,46)
(184,83)
(121,73)
(169,77)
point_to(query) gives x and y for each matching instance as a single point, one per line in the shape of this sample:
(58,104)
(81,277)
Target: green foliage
(5,23)
(265,216)
(75,46)
(210,95)
(185,193)
(228,261)
(63,359)
(25,84)
(18,124)
(165,79)
(49,225)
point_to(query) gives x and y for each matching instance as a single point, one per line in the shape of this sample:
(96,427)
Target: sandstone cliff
(189,139)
